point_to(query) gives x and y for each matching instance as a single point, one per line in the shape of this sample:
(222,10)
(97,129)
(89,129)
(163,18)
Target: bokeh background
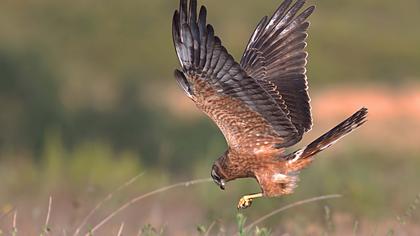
(88,100)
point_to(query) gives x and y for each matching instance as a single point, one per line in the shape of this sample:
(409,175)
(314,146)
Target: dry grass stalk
(314,199)
(7,213)
(209,228)
(107,198)
(136,199)
(121,229)
(14,224)
(46,229)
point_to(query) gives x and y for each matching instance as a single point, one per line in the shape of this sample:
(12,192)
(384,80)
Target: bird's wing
(276,55)
(247,113)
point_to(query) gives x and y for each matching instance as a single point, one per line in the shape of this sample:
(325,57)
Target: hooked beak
(222,184)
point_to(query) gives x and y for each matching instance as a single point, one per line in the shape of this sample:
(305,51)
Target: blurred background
(88,101)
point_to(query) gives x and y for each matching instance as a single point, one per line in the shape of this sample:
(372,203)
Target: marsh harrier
(261,104)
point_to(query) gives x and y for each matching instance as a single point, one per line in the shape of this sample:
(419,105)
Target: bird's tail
(304,156)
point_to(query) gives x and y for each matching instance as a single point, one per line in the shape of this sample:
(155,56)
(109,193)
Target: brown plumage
(261,104)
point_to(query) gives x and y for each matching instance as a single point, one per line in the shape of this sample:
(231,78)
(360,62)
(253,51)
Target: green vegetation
(85,92)
(86,69)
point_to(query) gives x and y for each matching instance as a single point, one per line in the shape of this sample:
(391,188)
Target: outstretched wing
(275,55)
(248,115)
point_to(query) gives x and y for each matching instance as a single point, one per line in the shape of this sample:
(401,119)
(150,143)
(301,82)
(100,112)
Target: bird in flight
(260,104)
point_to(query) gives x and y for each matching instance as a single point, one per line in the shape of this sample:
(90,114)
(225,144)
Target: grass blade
(309,200)
(46,229)
(99,205)
(121,229)
(136,199)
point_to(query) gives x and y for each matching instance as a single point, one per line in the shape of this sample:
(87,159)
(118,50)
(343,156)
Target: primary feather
(206,63)
(262,104)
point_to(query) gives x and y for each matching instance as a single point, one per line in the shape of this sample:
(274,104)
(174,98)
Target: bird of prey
(261,104)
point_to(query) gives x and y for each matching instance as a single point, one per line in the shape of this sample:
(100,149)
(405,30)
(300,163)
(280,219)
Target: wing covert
(275,53)
(210,75)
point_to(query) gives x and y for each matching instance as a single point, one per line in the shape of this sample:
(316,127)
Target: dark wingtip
(363,111)
(175,18)
(178,73)
(183,10)
(360,116)
(298,5)
(175,28)
(310,9)
(192,11)
(203,8)
(283,6)
(203,13)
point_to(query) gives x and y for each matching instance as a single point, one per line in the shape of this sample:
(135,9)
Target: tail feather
(303,156)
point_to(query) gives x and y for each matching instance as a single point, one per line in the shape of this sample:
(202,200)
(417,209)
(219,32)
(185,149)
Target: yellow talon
(246,200)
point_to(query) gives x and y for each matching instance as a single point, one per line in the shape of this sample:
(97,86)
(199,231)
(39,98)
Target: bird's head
(217,176)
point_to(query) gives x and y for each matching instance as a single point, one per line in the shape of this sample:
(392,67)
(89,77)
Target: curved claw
(244,202)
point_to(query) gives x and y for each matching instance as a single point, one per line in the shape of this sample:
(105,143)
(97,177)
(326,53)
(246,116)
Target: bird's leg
(246,200)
